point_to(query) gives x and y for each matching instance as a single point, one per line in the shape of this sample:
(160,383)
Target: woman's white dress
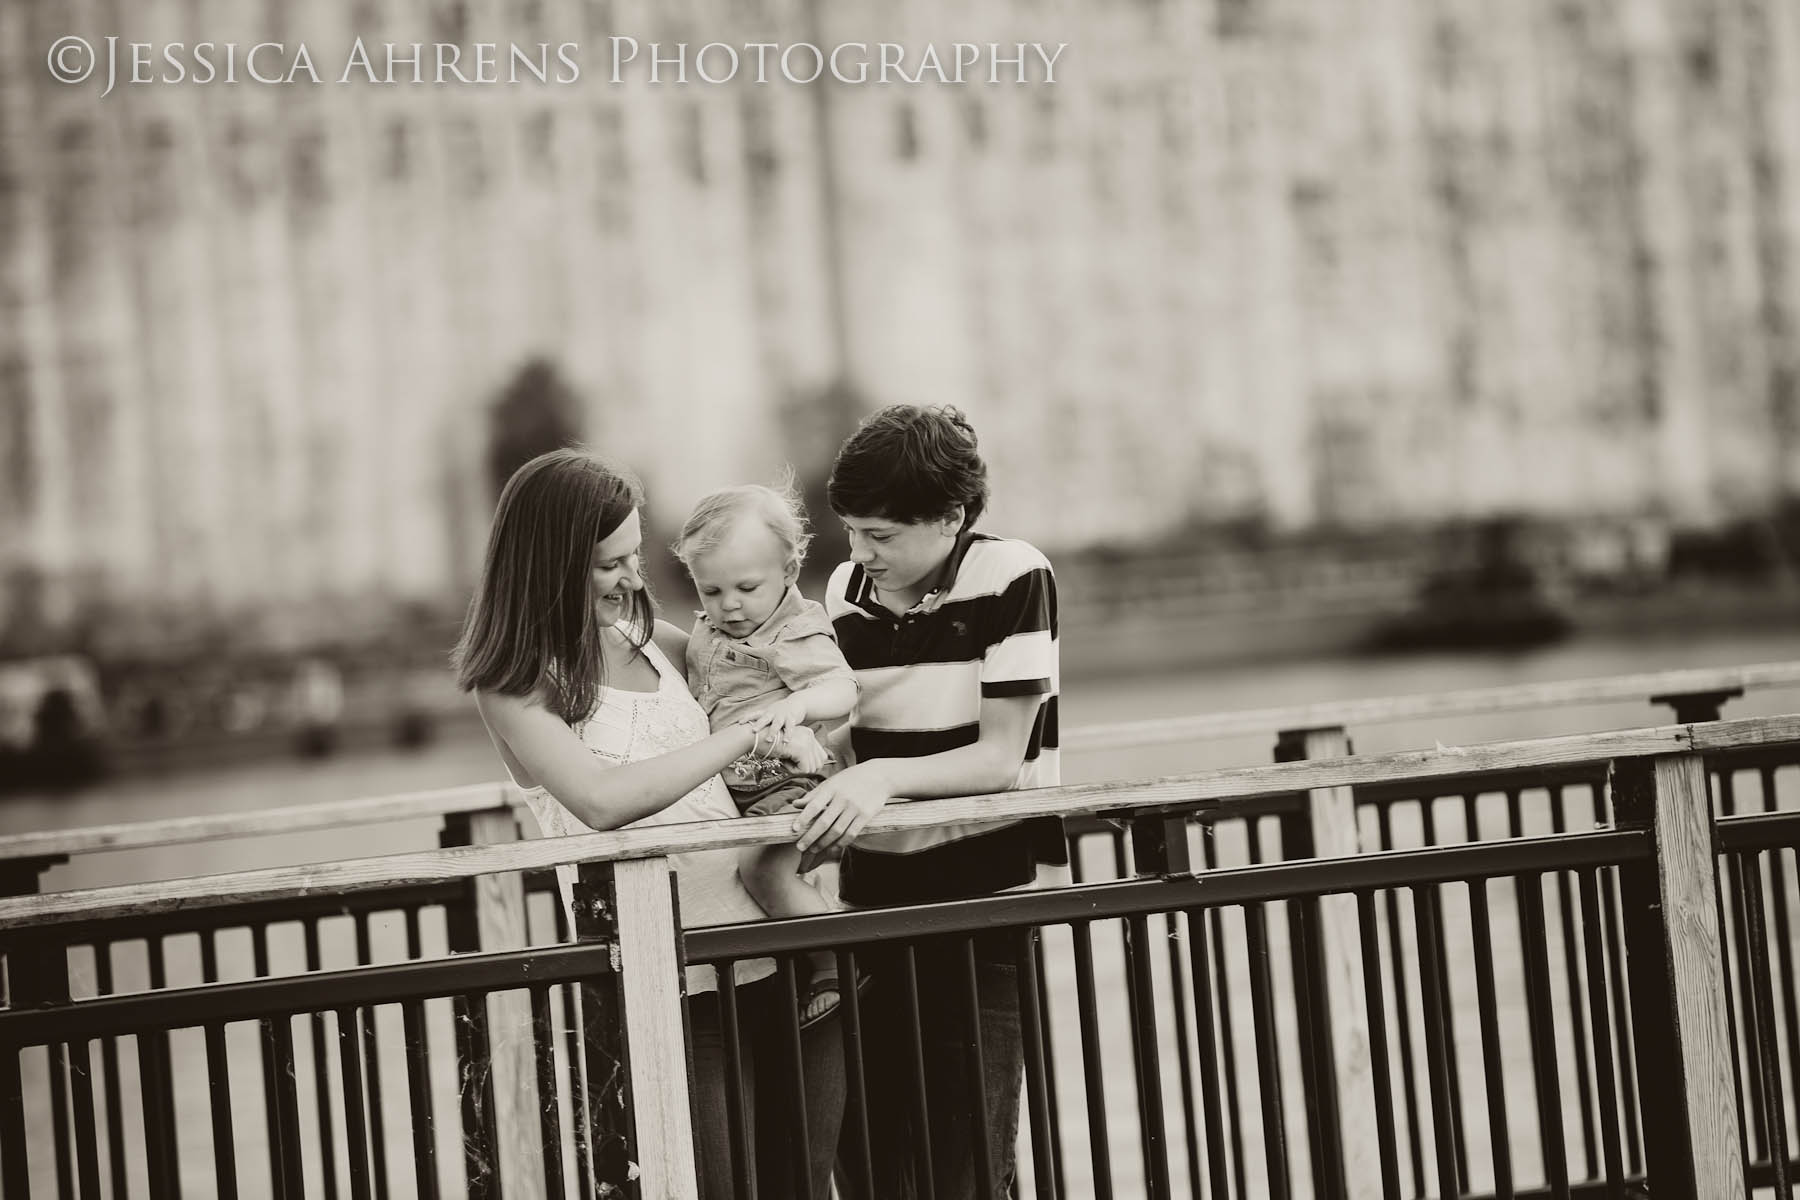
(626,727)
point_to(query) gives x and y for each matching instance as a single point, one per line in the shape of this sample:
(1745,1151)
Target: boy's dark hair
(909,463)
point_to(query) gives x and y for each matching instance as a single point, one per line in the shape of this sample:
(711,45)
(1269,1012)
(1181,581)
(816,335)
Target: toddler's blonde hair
(778,508)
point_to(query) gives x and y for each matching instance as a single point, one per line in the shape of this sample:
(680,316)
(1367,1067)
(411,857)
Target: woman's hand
(802,748)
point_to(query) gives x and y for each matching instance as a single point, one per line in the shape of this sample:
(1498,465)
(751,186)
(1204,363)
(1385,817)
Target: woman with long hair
(579,686)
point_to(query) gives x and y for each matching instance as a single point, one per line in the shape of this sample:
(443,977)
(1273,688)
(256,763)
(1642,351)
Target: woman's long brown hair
(531,625)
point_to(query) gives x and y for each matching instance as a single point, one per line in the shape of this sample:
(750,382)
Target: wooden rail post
(634,1035)
(495,1042)
(1336,1028)
(1677,977)
(653,985)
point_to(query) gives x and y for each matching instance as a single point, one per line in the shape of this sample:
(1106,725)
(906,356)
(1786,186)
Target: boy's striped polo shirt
(921,677)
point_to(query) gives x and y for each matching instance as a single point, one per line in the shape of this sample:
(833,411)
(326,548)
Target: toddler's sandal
(820,1001)
(824,994)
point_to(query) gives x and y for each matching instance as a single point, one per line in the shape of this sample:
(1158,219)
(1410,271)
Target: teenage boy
(952,636)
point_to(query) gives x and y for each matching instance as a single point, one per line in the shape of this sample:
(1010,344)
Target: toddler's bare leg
(771,875)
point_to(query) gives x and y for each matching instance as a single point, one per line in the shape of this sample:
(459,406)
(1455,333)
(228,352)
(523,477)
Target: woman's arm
(603,796)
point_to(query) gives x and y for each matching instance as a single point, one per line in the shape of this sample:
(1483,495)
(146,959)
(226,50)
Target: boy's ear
(791,573)
(953,520)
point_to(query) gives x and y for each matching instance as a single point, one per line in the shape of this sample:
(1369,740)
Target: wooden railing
(1326,779)
(1693,694)
(260,822)
(1662,852)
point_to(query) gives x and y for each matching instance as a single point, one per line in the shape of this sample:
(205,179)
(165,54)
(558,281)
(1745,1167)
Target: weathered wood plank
(651,979)
(294,818)
(1745,734)
(1332,812)
(1079,800)
(1688,865)
(1677,970)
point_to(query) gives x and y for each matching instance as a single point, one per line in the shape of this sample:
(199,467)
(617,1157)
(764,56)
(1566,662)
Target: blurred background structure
(1260,309)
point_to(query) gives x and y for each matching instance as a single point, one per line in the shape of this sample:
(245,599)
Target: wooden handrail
(1198,727)
(1243,783)
(295,818)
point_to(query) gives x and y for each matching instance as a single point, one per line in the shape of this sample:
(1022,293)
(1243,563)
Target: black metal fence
(150,1116)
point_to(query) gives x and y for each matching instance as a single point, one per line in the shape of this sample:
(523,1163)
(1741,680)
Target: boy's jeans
(890,1072)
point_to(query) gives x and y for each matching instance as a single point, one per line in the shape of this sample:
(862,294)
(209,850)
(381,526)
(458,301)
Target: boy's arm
(1018,668)
(836,811)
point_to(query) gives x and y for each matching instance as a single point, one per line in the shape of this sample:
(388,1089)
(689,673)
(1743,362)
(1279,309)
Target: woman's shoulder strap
(660,659)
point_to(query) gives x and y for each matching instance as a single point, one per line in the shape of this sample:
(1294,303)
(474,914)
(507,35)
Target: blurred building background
(1328,271)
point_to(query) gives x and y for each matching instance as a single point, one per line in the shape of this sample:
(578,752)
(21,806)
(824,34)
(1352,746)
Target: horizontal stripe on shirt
(911,743)
(946,693)
(917,743)
(978,865)
(946,633)
(1020,656)
(1006,688)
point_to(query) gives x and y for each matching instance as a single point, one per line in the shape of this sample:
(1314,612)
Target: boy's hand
(836,811)
(781,718)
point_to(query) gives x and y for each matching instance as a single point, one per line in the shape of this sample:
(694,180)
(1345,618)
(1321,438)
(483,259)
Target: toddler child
(761,653)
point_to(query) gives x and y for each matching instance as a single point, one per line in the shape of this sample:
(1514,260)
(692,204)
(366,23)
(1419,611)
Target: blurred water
(462,754)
